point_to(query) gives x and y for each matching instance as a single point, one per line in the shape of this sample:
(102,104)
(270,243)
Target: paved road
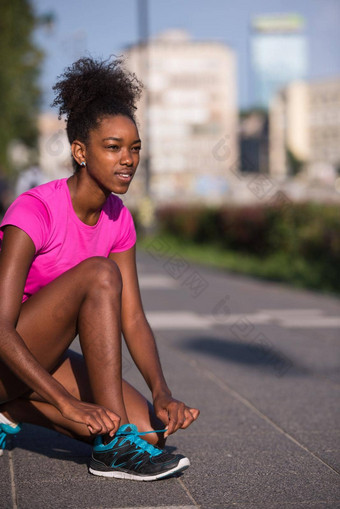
(259,359)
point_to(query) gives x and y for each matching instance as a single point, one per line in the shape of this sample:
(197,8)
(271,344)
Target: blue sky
(104,27)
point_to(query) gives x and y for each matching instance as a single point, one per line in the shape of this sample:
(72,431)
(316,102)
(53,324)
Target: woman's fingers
(176,417)
(108,421)
(180,417)
(194,412)
(99,420)
(95,424)
(115,422)
(174,413)
(103,421)
(191,415)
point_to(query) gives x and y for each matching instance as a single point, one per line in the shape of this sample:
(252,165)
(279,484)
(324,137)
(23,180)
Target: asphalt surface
(260,360)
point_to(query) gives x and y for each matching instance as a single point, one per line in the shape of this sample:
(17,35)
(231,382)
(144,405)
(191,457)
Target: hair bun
(88,80)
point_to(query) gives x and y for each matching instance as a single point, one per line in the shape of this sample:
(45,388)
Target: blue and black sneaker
(5,430)
(129,457)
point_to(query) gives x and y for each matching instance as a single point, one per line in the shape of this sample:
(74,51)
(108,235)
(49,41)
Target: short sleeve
(29,214)
(126,237)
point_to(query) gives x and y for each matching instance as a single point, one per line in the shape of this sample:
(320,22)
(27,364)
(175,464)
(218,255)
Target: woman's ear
(78,150)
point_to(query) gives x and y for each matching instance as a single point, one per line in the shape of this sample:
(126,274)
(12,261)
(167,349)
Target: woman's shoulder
(52,196)
(48,190)
(34,212)
(36,201)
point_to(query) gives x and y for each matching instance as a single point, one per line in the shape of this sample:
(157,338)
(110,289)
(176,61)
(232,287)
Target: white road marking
(278,313)
(230,319)
(312,323)
(308,318)
(303,318)
(162,507)
(178,320)
(154,281)
(172,320)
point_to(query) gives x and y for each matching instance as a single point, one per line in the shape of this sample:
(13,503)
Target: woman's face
(112,153)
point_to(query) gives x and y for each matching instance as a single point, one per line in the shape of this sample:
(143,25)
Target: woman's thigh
(48,320)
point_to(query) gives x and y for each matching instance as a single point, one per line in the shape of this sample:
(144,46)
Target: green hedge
(308,229)
(305,235)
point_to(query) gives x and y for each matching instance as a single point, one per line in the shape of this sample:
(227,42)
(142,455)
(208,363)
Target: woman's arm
(16,256)
(142,346)
(17,252)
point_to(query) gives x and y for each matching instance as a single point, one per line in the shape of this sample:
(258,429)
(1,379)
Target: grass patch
(279,266)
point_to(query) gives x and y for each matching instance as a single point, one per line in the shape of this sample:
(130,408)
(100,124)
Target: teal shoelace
(3,440)
(133,437)
(5,430)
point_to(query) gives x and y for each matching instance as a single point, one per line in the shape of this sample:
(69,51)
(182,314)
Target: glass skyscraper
(278,55)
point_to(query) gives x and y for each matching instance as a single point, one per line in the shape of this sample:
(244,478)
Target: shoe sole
(183,464)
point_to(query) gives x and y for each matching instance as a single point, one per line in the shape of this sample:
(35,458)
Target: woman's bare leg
(72,373)
(85,299)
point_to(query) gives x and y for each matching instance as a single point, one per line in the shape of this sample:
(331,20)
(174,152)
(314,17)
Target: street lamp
(143,36)
(146,211)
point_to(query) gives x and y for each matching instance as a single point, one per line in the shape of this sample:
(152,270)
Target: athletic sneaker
(129,457)
(5,430)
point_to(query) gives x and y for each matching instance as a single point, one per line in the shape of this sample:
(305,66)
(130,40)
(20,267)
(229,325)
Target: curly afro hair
(91,89)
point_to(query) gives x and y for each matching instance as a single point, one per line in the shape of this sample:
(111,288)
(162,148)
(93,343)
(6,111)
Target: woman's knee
(102,275)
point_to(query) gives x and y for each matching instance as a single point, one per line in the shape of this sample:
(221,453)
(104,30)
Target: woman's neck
(87,198)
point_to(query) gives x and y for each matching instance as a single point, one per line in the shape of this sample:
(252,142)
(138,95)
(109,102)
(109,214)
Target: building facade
(278,52)
(187,116)
(55,159)
(305,128)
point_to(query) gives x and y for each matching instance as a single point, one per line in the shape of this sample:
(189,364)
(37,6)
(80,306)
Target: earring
(83,164)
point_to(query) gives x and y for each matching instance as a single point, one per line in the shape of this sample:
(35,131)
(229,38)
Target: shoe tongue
(128,428)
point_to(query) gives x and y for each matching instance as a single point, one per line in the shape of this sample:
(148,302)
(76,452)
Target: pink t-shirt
(61,239)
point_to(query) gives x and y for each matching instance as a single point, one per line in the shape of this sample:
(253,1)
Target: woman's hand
(173,413)
(99,420)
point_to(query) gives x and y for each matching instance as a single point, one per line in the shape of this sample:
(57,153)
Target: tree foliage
(20,66)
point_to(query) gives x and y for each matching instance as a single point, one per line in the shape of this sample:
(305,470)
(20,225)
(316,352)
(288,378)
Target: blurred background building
(304,137)
(278,54)
(228,99)
(191,102)
(253,141)
(241,110)
(54,148)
